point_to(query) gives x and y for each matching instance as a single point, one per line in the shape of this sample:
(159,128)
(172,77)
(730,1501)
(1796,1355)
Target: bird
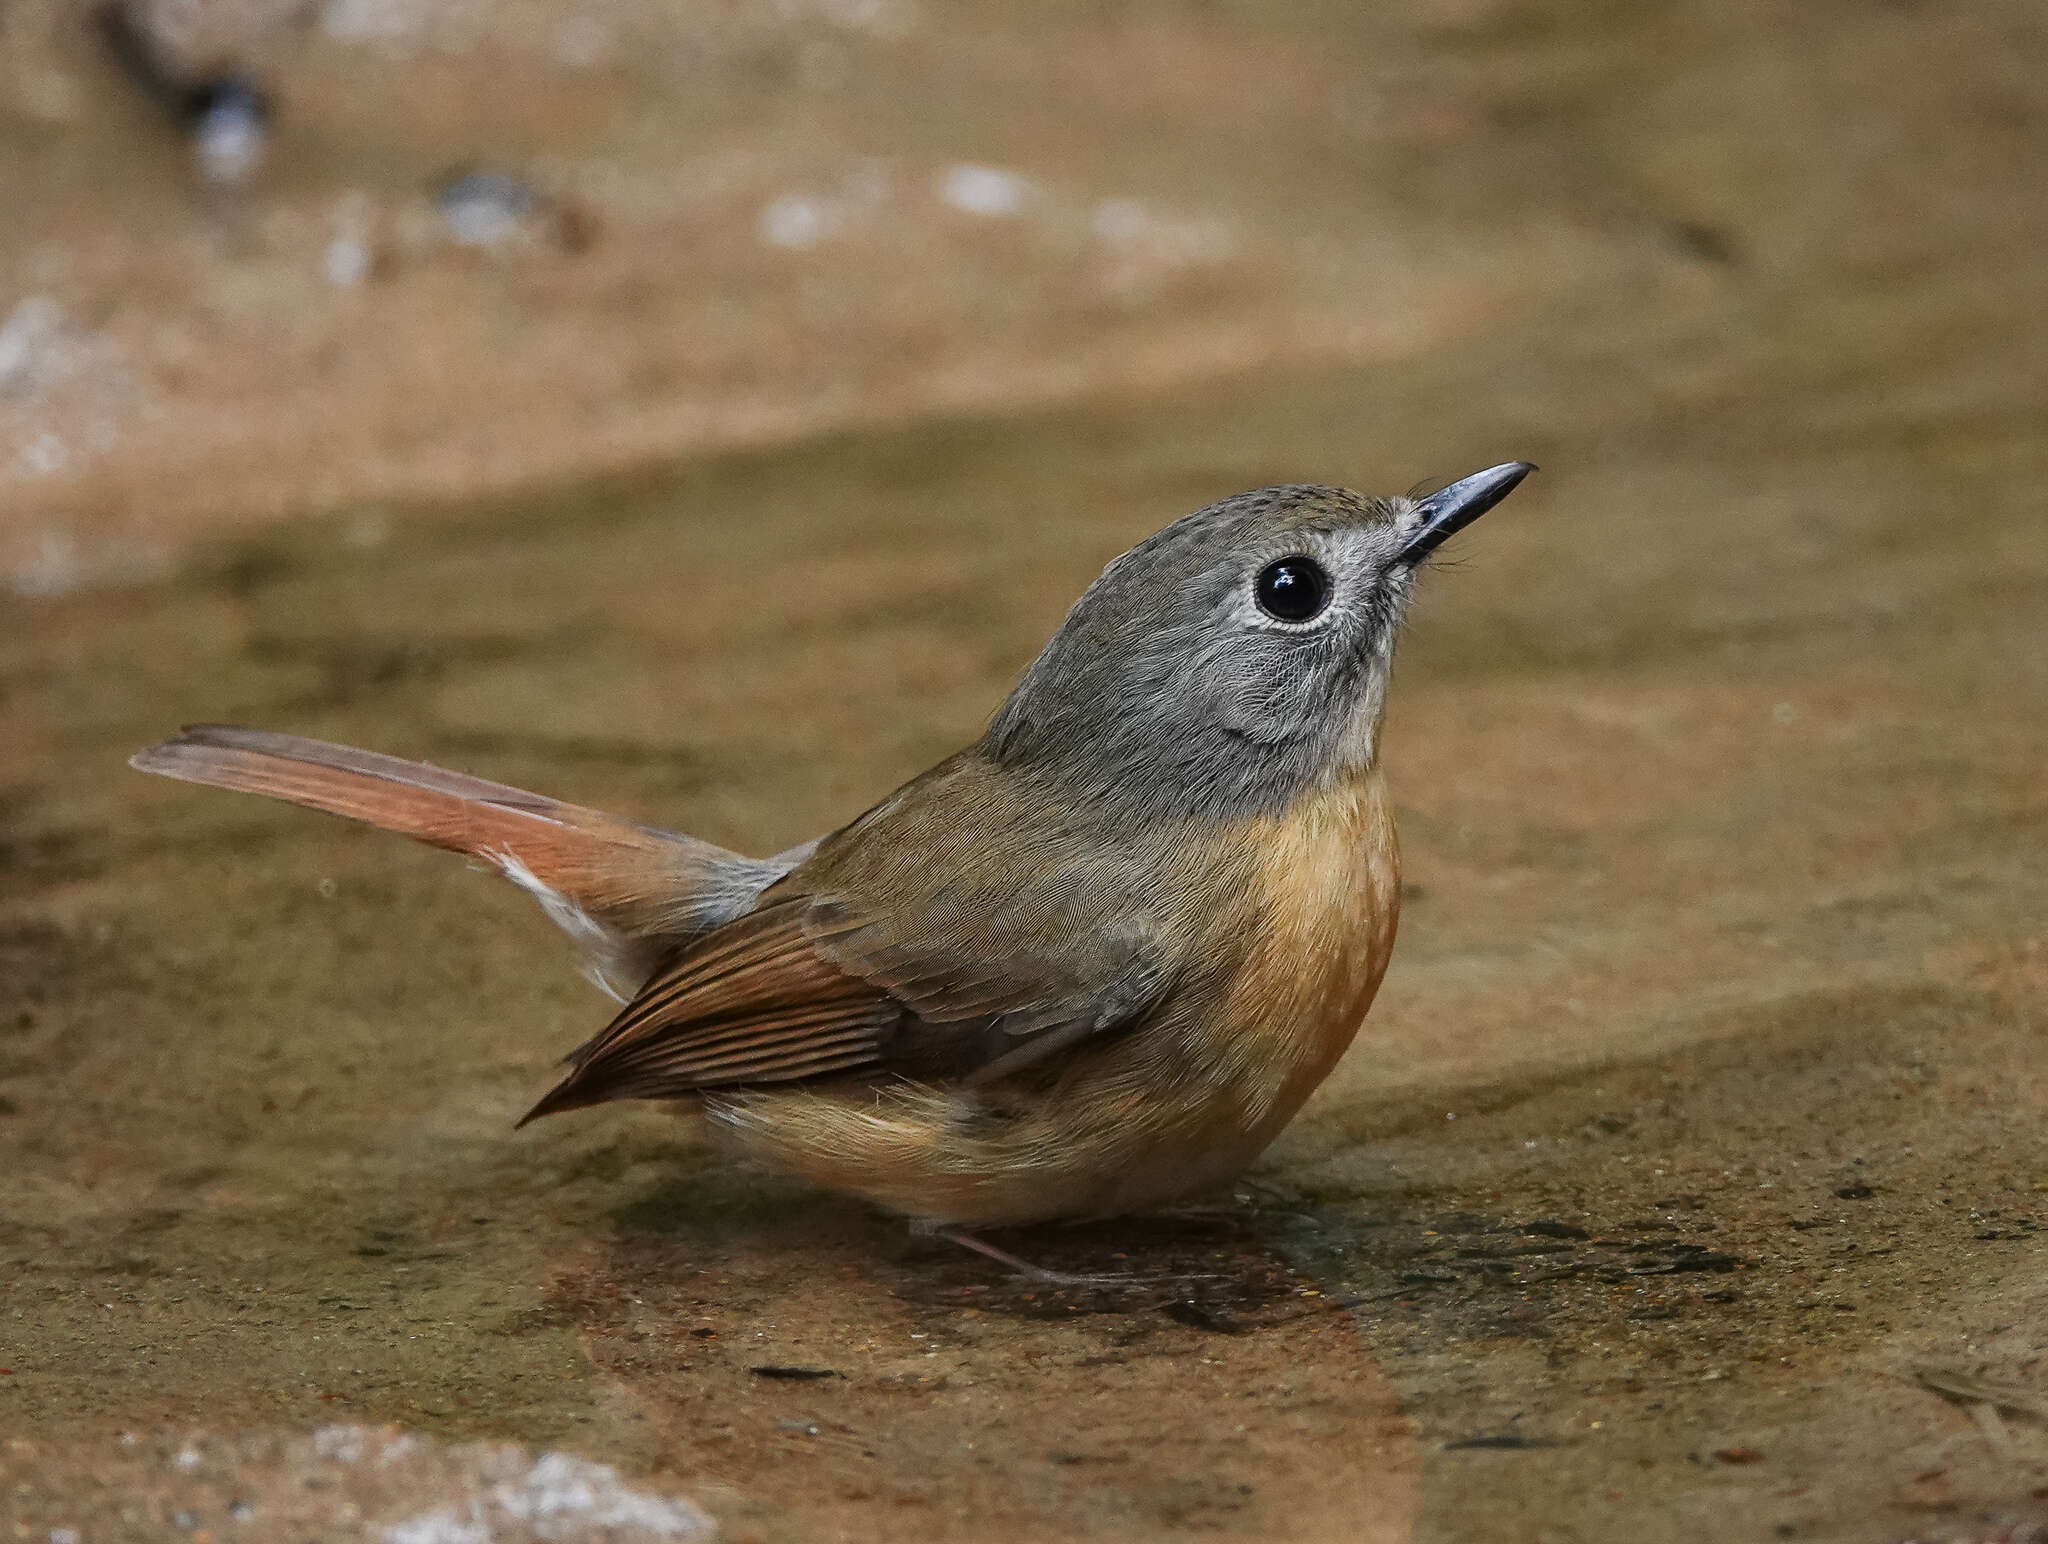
(1091,964)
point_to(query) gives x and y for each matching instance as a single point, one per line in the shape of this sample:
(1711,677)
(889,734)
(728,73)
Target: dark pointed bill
(1449,510)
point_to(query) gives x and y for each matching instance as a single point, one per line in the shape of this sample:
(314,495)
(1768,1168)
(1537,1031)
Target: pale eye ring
(1292,589)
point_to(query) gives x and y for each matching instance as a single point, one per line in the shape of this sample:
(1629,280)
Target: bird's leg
(1024,1268)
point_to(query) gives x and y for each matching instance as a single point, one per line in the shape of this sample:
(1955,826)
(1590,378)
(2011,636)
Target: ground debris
(1965,1387)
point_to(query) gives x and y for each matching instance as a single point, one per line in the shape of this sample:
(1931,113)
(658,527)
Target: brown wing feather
(752,1003)
(946,936)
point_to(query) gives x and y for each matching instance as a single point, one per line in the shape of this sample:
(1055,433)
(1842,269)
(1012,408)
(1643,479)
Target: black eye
(1292,590)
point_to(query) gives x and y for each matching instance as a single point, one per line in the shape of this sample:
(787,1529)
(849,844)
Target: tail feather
(626,892)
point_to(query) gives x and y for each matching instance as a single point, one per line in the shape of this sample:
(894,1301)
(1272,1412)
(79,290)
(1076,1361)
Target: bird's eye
(1292,590)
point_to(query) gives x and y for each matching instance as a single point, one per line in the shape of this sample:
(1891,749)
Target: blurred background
(483,245)
(704,410)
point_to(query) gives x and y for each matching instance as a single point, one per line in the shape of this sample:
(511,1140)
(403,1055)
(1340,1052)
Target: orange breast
(1331,876)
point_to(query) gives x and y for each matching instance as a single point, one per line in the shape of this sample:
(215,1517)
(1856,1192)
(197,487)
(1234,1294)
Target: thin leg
(1025,1268)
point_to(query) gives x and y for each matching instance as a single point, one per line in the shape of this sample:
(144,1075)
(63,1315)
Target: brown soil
(1688,1180)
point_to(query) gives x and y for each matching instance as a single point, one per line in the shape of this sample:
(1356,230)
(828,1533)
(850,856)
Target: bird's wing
(628,893)
(811,986)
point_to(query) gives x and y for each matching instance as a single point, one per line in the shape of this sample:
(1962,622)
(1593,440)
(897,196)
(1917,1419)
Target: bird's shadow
(1216,1269)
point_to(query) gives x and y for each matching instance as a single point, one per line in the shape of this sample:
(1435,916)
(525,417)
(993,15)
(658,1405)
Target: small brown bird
(1092,963)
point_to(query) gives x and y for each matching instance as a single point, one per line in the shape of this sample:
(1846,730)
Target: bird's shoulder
(981,889)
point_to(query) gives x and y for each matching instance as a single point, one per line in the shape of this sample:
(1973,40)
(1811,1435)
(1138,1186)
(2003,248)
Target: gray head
(1238,657)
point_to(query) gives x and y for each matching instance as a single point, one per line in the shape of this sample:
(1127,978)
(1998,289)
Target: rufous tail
(628,893)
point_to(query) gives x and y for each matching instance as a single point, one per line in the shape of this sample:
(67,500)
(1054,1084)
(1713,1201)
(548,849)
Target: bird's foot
(1040,1273)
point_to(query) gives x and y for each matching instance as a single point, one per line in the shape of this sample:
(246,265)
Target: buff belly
(1159,1114)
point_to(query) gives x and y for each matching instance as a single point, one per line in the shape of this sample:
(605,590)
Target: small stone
(346,262)
(795,221)
(31,345)
(230,132)
(485,209)
(984,190)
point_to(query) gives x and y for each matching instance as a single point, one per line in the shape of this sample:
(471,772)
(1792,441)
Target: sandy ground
(1688,1180)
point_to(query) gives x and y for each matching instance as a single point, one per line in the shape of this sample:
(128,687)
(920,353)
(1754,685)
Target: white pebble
(795,221)
(228,142)
(437,1527)
(342,1444)
(45,455)
(346,263)
(483,209)
(30,345)
(984,190)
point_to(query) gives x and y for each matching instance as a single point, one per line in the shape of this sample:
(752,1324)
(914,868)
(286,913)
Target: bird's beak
(1449,510)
